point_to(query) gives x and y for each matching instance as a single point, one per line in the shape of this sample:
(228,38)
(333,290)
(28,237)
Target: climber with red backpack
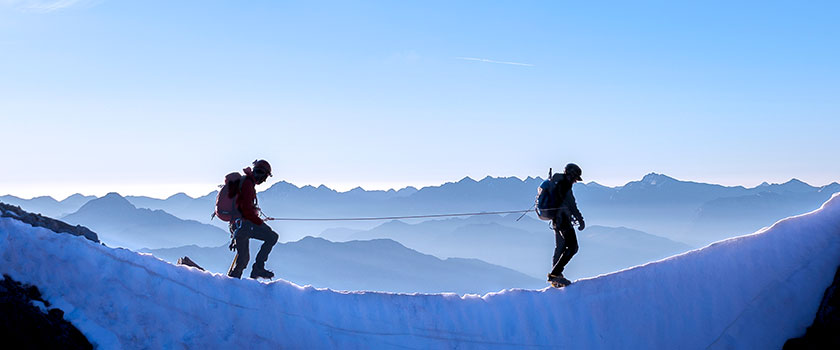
(236,203)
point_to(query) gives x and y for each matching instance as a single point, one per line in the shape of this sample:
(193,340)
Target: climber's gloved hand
(582,225)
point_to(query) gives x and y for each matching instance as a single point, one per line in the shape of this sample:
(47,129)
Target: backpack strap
(239,192)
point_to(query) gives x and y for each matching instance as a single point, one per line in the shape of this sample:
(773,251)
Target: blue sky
(158,97)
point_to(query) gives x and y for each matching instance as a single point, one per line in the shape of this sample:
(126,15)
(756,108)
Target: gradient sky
(158,97)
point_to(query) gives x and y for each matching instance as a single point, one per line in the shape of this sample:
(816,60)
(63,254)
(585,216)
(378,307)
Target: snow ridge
(753,291)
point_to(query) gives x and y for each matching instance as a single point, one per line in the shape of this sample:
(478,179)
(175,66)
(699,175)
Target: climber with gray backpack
(556,202)
(236,203)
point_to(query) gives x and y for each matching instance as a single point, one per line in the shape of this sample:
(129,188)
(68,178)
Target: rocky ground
(39,220)
(26,320)
(825,332)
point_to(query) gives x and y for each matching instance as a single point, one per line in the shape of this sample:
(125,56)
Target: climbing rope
(403,217)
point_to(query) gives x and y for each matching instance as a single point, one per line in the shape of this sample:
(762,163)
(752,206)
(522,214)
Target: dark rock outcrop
(824,333)
(186,261)
(25,325)
(22,321)
(37,220)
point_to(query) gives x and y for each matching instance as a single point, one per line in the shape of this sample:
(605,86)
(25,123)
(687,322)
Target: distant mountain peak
(179,195)
(467,179)
(320,188)
(656,179)
(407,191)
(110,201)
(795,181)
(112,196)
(282,186)
(210,195)
(832,187)
(77,198)
(311,239)
(595,184)
(796,185)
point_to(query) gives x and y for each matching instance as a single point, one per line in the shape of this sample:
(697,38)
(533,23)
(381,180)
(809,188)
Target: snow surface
(753,291)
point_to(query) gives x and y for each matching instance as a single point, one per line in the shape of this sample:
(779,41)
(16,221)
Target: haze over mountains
(690,212)
(526,245)
(728,216)
(642,221)
(48,206)
(671,208)
(378,265)
(121,224)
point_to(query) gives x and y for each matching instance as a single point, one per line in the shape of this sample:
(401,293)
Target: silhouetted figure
(565,239)
(250,225)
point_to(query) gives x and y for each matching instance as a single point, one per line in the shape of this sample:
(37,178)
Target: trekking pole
(265,217)
(535,204)
(526,212)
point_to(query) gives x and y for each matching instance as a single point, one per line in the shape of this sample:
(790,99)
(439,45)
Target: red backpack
(226,208)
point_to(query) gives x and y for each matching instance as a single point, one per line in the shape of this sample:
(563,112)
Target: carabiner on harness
(236,225)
